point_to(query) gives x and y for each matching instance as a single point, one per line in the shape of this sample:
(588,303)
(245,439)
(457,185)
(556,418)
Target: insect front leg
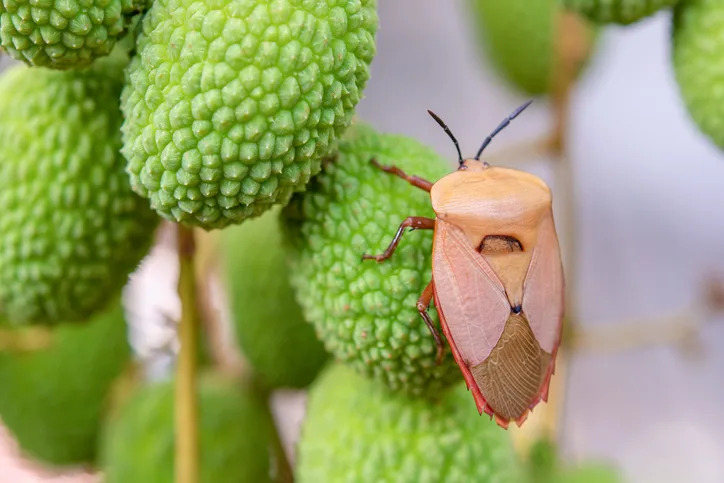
(423,303)
(414,222)
(413,180)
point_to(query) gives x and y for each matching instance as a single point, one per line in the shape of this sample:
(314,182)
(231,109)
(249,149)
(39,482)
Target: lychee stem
(186,407)
(573,45)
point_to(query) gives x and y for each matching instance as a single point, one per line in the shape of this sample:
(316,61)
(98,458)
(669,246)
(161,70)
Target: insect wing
(543,292)
(470,299)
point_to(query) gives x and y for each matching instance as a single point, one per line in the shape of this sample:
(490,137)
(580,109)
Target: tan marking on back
(511,377)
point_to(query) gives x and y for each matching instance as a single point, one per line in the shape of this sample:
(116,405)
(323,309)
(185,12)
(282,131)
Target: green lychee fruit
(519,39)
(63,34)
(234,436)
(356,430)
(698,40)
(53,398)
(272,333)
(231,104)
(71,229)
(364,311)
(617,11)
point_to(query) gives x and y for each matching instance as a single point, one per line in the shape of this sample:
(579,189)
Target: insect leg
(414,222)
(413,180)
(422,305)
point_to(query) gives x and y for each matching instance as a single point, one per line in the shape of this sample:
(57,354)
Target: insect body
(497,279)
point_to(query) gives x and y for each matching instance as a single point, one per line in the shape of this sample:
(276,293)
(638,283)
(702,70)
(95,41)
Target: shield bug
(497,278)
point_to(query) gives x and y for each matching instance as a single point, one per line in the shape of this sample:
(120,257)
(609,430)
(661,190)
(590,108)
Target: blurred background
(643,386)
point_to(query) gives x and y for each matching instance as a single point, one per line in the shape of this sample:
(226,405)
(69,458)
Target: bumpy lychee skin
(698,43)
(272,333)
(53,396)
(234,435)
(71,229)
(519,38)
(617,11)
(63,34)
(231,104)
(364,311)
(356,430)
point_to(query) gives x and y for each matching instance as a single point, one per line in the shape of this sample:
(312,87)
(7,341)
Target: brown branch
(187,446)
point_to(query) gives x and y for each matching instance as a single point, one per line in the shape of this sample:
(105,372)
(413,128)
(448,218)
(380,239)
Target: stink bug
(497,279)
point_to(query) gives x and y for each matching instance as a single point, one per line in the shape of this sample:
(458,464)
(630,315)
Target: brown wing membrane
(511,377)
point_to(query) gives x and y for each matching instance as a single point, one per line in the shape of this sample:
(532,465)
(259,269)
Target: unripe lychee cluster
(71,229)
(64,34)
(230,105)
(356,430)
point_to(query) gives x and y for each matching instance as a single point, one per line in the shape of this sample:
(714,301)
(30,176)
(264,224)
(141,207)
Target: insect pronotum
(497,278)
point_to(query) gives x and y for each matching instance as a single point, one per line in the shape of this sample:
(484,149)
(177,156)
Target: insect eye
(500,244)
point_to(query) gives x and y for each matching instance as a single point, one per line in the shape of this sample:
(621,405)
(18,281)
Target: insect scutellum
(463,162)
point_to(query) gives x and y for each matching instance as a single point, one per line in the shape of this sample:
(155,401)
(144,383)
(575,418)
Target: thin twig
(573,43)
(187,446)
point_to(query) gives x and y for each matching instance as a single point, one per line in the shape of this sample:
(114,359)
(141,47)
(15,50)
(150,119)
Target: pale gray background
(651,221)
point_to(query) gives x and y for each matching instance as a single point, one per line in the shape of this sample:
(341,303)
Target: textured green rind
(617,11)
(53,399)
(230,104)
(519,39)
(698,43)
(279,344)
(63,34)
(138,444)
(357,431)
(71,229)
(365,312)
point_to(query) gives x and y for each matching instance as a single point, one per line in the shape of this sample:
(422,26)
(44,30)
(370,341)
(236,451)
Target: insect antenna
(500,127)
(449,133)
